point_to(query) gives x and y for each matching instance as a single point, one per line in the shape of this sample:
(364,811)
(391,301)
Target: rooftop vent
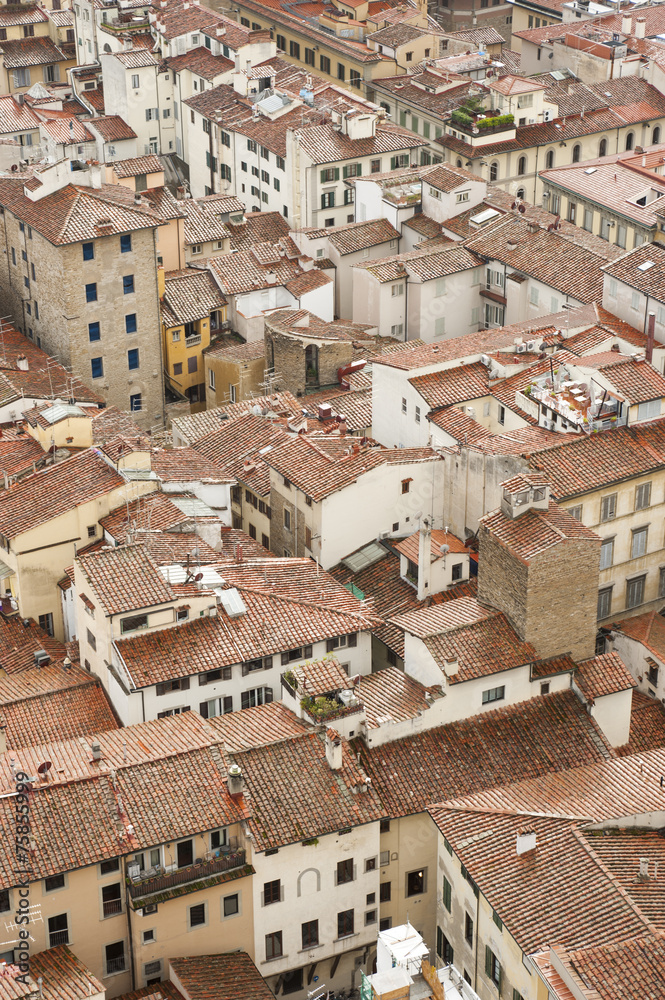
(234,780)
(526,841)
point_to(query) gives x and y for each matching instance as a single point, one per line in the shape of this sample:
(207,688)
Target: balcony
(193,340)
(112,906)
(114,965)
(58,937)
(193,873)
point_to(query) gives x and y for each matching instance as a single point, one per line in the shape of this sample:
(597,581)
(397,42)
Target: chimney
(651,333)
(640,27)
(452,667)
(341,427)
(424,557)
(235,781)
(334,750)
(22,363)
(96,748)
(3,739)
(626,25)
(526,841)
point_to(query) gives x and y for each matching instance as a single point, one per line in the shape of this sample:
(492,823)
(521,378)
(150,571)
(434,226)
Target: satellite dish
(199,576)
(443,549)
(44,767)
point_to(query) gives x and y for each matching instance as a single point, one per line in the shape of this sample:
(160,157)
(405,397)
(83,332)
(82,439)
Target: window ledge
(277,958)
(312,947)
(347,937)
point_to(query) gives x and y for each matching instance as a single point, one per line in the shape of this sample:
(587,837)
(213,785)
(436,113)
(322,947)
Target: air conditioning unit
(532,345)
(549,425)
(522,348)
(485,360)
(384,534)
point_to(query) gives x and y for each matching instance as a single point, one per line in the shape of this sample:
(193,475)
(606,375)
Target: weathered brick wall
(552,601)
(287,354)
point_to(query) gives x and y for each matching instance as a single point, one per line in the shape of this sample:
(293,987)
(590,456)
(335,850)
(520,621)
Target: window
(533,296)
(281,42)
(231,905)
(577,149)
(608,507)
(653,674)
(635,592)
(661,583)
(97,367)
(133,623)
(328,199)
(58,931)
(416,882)
(630,139)
(396,330)
(521,166)
(54,882)
(128,284)
(604,602)
(111,899)
(197,915)
(273,945)
(638,545)
(494,694)
(256,696)
(92,642)
(324,64)
(417,421)
(135,81)
(344,871)
(310,934)
(21,76)
(406,482)
(46,623)
(133,359)
(88,251)
(468,929)
(192,365)
(310,57)
(177,368)
(492,968)
(403,405)
(502,414)
(294,50)
(655,135)
(385,887)
(602,147)
(272,892)
(401,160)
(126,243)
(341,71)
(397,290)
(354,78)
(91,292)
(643,496)
(345,923)
(110,866)
(135,402)
(443,947)
(94,332)
(607,553)
(447,894)
(588,219)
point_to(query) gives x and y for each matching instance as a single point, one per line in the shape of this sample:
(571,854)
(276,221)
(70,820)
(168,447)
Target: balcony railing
(112,906)
(114,965)
(193,873)
(193,340)
(58,937)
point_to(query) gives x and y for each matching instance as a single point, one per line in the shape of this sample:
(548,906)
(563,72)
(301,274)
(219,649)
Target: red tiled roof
(31,52)
(391,696)
(19,643)
(321,677)
(453,385)
(630,968)
(19,455)
(50,703)
(335,799)
(53,491)
(235,449)
(409,547)
(603,675)
(136,164)
(533,738)
(534,532)
(125,578)
(202,62)
(459,425)
(154,512)
(257,726)
(648,629)
(635,380)
(112,128)
(232,976)
(647,725)
(185,465)
(61,975)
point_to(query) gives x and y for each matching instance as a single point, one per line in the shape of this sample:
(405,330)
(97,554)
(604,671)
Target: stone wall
(550,601)
(287,354)
(52,309)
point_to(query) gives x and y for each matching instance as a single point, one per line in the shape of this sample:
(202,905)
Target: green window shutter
(447,894)
(393,163)
(488,962)
(345,172)
(323,176)
(336,173)
(359,169)
(500,983)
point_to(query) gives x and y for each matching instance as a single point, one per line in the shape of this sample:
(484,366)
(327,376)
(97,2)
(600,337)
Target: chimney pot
(234,780)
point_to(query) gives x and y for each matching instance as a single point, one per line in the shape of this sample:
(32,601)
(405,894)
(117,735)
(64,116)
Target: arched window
(459,162)
(577,149)
(630,139)
(521,165)
(656,135)
(521,194)
(602,148)
(312,363)
(494,171)
(549,159)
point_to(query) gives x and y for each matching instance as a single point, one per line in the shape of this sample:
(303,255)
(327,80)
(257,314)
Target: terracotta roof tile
(409,546)
(190,295)
(235,449)
(198,425)
(19,643)
(50,703)
(335,799)
(51,492)
(603,675)
(257,726)
(258,227)
(124,578)
(20,455)
(61,975)
(232,350)
(534,532)
(453,385)
(648,629)
(647,725)
(185,465)
(634,967)
(459,424)
(31,52)
(202,62)
(320,677)
(221,977)
(533,738)
(137,165)
(391,696)
(154,512)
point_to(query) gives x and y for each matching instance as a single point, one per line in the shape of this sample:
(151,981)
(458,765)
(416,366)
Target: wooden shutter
(203,709)
(352,639)
(330,645)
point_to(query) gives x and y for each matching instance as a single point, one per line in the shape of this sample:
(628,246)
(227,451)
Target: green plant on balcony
(500,121)
(460,117)
(291,679)
(320,708)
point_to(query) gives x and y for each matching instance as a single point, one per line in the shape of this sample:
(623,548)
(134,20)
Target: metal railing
(204,869)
